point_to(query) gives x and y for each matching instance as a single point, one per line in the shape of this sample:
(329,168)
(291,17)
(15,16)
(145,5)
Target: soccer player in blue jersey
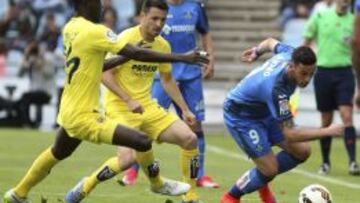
(257,114)
(185,20)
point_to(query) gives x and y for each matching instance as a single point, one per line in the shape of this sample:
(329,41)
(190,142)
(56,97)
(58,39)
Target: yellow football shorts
(93,127)
(153,121)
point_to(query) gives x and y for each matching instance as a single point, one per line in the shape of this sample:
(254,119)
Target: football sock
(108,170)
(201,146)
(286,162)
(150,167)
(350,142)
(189,168)
(325,145)
(252,180)
(38,171)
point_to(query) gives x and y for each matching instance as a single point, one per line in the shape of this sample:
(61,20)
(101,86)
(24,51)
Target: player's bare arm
(143,54)
(114,62)
(254,53)
(207,42)
(356,56)
(173,91)
(109,80)
(297,134)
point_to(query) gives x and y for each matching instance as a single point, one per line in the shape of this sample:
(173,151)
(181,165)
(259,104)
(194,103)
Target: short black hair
(160,4)
(76,4)
(304,55)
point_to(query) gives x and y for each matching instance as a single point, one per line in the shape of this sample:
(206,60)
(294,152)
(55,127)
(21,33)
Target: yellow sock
(190,166)
(37,172)
(108,170)
(150,167)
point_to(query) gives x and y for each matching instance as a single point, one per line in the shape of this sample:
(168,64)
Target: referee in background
(334,81)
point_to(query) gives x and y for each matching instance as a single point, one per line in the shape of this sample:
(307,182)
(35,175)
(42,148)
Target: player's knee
(61,154)
(270,171)
(189,141)
(126,160)
(144,144)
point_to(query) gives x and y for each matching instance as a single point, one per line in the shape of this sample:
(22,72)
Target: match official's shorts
(254,136)
(192,92)
(92,127)
(334,87)
(153,121)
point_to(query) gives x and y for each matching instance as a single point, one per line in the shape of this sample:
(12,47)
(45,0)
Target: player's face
(303,74)
(153,21)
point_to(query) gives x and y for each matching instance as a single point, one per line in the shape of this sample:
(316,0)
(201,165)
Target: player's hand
(208,70)
(135,106)
(198,57)
(336,130)
(189,118)
(357,99)
(249,55)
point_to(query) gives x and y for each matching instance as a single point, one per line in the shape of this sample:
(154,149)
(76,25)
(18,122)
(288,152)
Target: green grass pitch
(224,162)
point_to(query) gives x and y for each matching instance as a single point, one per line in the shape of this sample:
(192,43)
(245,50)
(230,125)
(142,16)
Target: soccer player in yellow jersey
(128,101)
(86,44)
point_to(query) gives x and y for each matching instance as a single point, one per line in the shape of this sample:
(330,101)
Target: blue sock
(251,181)
(286,162)
(201,146)
(136,166)
(350,142)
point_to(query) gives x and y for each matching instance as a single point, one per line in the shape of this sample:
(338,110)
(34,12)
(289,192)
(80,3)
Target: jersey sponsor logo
(283,107)
(142,69)
(178,28)
(111,36)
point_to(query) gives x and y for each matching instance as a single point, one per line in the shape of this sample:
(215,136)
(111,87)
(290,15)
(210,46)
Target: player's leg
(64,146)
(159,94)
(192,91)
(252,138)
(325,143)
(345,91)
(324,86)
(180,134)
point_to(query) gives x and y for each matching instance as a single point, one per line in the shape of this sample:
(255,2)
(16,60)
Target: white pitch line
(334,181)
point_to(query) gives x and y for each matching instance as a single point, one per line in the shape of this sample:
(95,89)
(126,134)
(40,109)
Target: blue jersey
(183,23)
(266,90)
(357,6)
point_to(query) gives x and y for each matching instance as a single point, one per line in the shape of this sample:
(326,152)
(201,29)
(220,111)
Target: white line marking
(334,181)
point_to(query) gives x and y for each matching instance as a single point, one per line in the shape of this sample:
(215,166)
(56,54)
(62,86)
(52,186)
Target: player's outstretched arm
(356,56)
(254,53)
(147,55)
(173,91)
(109,80)
(297,134)
(114,62)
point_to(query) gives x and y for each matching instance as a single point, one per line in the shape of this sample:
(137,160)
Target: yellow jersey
(135,77)
(85,45)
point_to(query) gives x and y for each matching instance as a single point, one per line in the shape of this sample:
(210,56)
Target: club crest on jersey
(188,15)
(283,107)
(111,36)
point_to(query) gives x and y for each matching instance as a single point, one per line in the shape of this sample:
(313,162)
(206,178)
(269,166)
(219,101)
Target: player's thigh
(156,120)
(251,136)
(324,87)
(160,95)
(180,134)
(192,92)
(64,145)
(300,150)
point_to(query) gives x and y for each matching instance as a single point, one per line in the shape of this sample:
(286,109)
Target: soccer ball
(315,194)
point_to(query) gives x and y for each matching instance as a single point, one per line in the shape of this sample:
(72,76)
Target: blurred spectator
(125,10)
(290,9)
(41,74)
(110,19)
(3,53)
(50,32)
(17,26)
